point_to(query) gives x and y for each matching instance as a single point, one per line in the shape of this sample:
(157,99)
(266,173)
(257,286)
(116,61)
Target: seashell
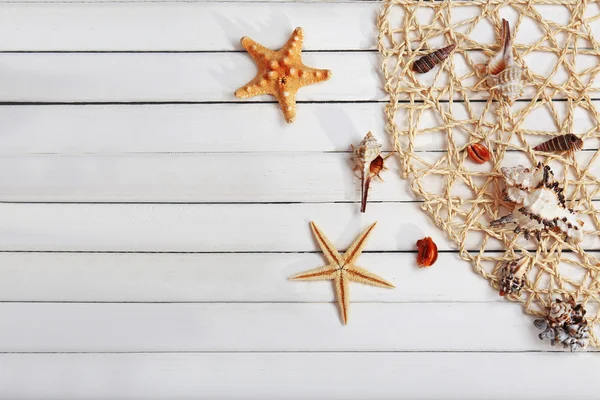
(426,63)
(503,75)
(369,163)
(564,324)
(540,204)
(559,313)
(540,323)
(561,143)
(478,153)
(513,277)
(427,253)
(548,334)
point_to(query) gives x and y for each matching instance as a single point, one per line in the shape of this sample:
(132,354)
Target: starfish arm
(330,253)
(257,51)
(357,247)
(342,295)
(287,103)
(293,47)
(326,273)
(313,75)
(256,87)
(361,275)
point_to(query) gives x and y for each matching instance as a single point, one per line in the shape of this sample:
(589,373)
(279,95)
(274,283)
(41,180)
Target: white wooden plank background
(149,219)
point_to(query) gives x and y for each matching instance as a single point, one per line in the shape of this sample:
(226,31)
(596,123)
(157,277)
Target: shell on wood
(427,253)
(565,324)
(512,276)
(503,75)
(561,143)
(539,204)
(426,63)
(369,163)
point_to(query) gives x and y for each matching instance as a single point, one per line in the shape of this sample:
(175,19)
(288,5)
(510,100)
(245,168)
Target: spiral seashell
(513,279)
(426,63)
(568,142)
(540,204)
(369,162)
(559,313)
(503,75)
(540,323)
(565,325)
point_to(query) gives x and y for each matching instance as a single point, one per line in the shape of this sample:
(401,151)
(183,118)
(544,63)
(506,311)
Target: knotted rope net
(432,118)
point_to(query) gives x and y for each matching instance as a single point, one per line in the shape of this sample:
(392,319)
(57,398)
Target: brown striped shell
(426,63)
(512,278)
(565,324)
(561,143)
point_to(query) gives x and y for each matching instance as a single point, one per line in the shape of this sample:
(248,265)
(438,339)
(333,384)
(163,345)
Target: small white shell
(504,76)
(367,151)
(364,156)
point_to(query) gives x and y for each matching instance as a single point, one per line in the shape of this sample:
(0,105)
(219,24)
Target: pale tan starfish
(280,73)
(341,269)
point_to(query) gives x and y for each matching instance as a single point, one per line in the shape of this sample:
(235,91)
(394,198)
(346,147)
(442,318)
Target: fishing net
(432,118)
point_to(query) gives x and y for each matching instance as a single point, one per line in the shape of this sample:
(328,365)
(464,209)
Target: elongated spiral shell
(561,143)
(426,63)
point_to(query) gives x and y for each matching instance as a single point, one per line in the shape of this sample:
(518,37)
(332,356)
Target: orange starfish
(341,269)
(280,73)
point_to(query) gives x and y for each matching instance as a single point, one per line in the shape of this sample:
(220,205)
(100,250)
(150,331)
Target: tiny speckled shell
(513,279)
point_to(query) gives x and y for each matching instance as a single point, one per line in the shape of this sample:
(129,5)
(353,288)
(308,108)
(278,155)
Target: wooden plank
(223,177)
(214,77)
(116,277)
(231,177)
(297,375)
(119,327)
(76,129)
(209,26)
(220,227)
(193,128)
(184,26)
(184,77)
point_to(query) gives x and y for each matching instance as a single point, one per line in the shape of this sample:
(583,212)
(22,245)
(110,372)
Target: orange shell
(427,253)
(478,153)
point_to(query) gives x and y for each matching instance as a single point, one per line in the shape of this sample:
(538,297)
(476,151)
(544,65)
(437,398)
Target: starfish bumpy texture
(341,269)
(280,73)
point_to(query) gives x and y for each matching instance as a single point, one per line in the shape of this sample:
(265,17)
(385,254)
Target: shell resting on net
(512,276)
(426,63)
(565,324)
(539,204)
(503,75)
(561,143)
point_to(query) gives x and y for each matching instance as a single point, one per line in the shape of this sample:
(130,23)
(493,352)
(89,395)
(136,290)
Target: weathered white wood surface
(293,375)
(162,223)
